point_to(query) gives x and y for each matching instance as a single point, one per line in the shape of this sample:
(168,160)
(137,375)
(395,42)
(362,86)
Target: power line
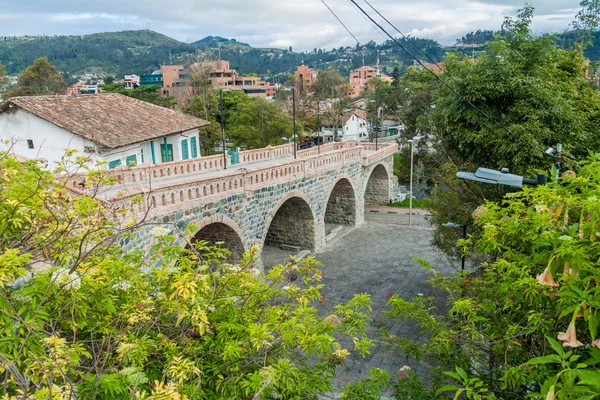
(403,35)
(490,119)
(340,21)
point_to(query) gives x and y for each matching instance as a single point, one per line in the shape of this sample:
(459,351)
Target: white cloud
(275,23)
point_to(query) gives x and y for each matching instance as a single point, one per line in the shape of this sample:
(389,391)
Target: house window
(184,150)
(29,143)
(114,164)
(131,161)
(166,153)
(194,146)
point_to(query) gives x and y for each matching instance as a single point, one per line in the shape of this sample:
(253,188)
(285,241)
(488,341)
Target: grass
(404,204)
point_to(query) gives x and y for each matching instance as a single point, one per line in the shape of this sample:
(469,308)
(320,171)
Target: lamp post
(294,116)
(292,89)
(412,142)
(464,236)
(376,101)
(318,127)
(222,128)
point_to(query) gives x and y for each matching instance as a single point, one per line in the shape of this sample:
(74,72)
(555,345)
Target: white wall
(356,128)
(49,141)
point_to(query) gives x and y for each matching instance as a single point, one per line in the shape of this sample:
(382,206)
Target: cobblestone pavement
(376,258)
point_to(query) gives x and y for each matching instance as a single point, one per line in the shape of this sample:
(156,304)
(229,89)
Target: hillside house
(352,126)
(111,127)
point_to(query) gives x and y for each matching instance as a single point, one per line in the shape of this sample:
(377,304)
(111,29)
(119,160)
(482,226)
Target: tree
(3,79)
(333,88)
(83,318)
(259,123)
(524,322)
(149,94)
(530,94)
(108,80)
(40,78)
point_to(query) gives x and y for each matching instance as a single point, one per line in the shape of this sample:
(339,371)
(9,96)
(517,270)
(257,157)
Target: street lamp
(464,235)
(412,142)
(223,127)
(376,101)
(502,177)
(318,127)
(293,115)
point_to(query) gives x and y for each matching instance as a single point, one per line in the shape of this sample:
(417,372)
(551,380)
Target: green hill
(214,41)
(116,53)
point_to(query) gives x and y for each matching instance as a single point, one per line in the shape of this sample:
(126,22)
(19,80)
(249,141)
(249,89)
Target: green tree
(524,84)
(524,322)
(259,123)
(40,78)
(108,80)
(80,317)
(3,79)
(149,94)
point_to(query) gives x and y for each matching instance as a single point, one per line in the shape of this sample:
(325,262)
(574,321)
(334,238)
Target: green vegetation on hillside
(115,53)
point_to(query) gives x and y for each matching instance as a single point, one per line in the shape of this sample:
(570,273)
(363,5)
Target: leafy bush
(81,318)
(525,322)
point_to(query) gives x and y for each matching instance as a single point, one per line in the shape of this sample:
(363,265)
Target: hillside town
(302,212)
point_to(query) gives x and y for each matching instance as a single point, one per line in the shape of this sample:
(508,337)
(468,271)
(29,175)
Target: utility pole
(318,127)
(376,123)
(294,116)
(223,128)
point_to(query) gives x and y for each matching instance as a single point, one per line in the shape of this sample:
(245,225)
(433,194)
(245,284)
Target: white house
(110,127)
(352,126)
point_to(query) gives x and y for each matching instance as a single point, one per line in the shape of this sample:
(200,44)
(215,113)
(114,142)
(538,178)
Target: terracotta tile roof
(112,120)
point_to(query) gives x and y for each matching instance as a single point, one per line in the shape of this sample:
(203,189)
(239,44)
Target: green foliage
(40,78)
(258,123)
(416,203)
(367,389)
(531,87)
(82,318)
(524,323)
(116,53)
(147,93)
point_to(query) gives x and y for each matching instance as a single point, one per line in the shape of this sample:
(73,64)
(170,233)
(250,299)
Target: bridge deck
(167,182)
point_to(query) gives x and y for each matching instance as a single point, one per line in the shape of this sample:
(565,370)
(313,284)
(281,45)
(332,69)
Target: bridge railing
(166,195)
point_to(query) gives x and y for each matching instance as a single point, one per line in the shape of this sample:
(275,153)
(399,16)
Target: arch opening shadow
(222,235)
(341,206)
(292,225)
(377,190)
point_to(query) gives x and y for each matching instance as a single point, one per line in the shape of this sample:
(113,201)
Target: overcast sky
(303,24)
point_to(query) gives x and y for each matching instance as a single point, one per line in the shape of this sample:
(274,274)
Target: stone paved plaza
(376,258)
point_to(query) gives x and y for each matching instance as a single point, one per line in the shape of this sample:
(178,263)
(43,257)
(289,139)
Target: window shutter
(194,146)
(131,161)
(184,150)
(114,164)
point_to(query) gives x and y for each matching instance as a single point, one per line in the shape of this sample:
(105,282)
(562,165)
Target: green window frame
(194,146)
(114,164)
(168,155)
(185,153)
(131,161)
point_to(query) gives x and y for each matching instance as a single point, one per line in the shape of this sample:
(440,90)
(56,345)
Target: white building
(352,126)
(131,81)
(110,127)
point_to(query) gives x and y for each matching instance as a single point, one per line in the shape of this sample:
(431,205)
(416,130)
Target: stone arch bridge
(269,198)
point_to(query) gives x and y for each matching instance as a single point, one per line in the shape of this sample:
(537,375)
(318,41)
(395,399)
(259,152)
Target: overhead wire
(340,21)
(443,82)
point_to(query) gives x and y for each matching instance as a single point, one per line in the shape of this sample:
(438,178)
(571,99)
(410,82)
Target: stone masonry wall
(250,213)
(293,224)
(341,206)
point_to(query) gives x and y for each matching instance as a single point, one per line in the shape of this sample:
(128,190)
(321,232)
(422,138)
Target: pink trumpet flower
(546,278)
(569,338)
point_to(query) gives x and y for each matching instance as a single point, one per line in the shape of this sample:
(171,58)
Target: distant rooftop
(112,120)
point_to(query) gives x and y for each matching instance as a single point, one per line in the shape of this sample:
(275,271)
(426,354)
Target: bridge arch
(377,188)
(292,222)
(221,231)
(341,204)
